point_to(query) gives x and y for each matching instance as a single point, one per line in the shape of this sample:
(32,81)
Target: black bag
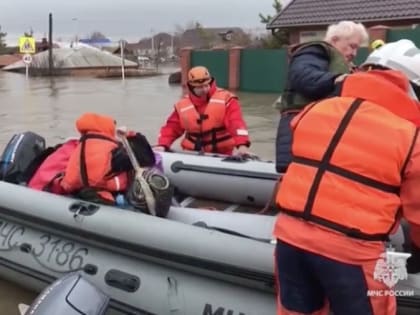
(21,157)
(142,150)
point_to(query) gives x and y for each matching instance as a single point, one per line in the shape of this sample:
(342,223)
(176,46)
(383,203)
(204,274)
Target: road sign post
(27,47)
(122,47)
(27,59)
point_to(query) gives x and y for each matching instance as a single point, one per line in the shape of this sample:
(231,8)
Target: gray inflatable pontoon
(147,265)
(194,262)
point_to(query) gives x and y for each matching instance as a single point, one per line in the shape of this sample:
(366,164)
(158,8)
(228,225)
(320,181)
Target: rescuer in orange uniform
(355,173)
(210,119)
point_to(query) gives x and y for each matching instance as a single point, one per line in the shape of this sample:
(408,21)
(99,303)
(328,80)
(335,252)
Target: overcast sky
(129,19)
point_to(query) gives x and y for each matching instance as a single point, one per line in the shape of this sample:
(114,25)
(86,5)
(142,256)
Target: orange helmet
(199,76)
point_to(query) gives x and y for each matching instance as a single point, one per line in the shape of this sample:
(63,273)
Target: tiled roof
(195,38)
(324,12)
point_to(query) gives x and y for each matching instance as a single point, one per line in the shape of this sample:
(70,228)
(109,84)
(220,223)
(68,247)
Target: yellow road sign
(26,45)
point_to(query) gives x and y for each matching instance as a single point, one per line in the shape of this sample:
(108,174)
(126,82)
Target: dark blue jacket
(309,75)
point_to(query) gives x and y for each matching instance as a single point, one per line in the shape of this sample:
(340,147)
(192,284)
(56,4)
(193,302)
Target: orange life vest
(206,132)
(88,172)
(349,155)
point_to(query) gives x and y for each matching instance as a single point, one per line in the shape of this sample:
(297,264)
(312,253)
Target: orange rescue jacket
(206,132)
(90,165)
(349,153)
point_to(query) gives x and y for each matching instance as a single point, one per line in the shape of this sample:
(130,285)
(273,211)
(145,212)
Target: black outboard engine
(19,159)
(70,295)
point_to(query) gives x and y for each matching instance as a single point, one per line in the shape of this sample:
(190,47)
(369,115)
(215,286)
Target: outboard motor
(69,295)
(21,157)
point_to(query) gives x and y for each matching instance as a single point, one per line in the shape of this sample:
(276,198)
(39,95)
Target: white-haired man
(314,68)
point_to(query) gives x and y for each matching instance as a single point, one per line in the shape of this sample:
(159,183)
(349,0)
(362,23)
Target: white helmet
(402,55)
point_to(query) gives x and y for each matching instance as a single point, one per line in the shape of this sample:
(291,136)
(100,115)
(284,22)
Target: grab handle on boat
(90,269)
(241,158)
(25,247)
(82,208)
(235,158)
(122,280)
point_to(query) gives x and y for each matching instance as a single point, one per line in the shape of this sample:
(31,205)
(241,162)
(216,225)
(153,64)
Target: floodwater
(50,106)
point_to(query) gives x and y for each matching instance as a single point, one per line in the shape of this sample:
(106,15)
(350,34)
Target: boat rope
(231,232)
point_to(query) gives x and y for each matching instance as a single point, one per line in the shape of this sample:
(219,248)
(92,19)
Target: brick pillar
(377,32)
(185,63)
(294,37)
(234,68)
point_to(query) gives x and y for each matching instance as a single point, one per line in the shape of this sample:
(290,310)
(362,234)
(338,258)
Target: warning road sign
(26,45)
(27,58)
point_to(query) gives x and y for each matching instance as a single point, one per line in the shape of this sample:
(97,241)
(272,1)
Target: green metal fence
(361,56)
(263,70)
(412,34)
(217,61)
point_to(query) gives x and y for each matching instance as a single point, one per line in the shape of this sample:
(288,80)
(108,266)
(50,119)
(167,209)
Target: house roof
(323,12)
(198,37)
(80,56)
(6,60)
(164,38)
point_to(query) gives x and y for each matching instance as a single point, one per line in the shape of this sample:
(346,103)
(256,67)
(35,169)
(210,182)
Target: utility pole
(172,44)
(50,46)
(122,46)
(76,31)
(152,42)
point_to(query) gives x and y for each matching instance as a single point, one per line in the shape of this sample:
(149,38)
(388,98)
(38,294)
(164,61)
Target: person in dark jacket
(314,69)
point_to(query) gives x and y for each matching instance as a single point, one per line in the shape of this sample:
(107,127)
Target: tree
(2,42)
(208,38)
(30,33)
(267,18)
(278,38)
(242,40)
(179,29)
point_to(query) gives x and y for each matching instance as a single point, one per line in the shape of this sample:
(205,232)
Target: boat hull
(194,262)
(243,182)
(166,272)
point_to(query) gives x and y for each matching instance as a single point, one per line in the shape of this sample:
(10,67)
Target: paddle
(140,174)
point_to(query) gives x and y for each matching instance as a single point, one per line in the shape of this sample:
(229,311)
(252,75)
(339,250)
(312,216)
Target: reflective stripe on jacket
(206,132)
(349,153)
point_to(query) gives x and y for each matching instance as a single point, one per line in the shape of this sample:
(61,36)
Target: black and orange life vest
(206,132)
(349,154)
(90,164)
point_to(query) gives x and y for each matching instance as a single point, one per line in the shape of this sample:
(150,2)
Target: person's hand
(159,148)
(340,78)
(242,150)
(122,130)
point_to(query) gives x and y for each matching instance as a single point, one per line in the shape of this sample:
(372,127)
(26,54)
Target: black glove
(413,263)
